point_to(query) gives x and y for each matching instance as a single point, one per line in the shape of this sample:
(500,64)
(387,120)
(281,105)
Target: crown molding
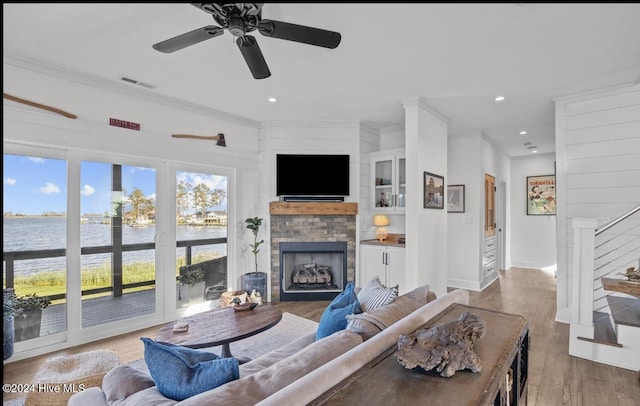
(419,101)
(316,124)
(398,128)
(122,88)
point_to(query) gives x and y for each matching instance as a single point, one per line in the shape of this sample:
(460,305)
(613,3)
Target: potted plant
(255,280)
(8,323)
(28,315)
(253,224)
(191,286)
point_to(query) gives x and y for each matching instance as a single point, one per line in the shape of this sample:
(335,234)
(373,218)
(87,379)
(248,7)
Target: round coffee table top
(221,326)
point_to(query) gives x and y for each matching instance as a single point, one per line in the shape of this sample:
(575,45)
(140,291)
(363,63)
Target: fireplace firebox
(312,270)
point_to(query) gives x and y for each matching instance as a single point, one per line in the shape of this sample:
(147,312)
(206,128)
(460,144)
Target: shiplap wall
(598,167)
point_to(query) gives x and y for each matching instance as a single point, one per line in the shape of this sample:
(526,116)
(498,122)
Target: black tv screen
(312,175)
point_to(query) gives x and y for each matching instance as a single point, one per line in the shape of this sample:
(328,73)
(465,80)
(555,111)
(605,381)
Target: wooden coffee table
(221,327)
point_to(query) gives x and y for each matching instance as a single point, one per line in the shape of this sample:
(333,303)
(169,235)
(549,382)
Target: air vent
(532,147)
(135,82)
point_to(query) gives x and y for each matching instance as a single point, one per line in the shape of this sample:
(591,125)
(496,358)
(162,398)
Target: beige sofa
(296,373)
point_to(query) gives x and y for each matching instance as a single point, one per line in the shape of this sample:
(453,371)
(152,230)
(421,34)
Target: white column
(426,229)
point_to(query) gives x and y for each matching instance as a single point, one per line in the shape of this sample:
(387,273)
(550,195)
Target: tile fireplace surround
(311,222)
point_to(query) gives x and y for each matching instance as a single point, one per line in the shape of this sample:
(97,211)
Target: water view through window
(118,231)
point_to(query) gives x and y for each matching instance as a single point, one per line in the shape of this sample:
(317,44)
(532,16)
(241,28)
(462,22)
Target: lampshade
(380,220)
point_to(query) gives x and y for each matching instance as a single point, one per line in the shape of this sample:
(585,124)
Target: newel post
(583,273)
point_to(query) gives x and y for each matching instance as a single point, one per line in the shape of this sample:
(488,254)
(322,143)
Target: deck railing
(10,257)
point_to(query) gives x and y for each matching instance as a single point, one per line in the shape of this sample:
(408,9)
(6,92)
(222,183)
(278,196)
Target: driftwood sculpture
(448,347)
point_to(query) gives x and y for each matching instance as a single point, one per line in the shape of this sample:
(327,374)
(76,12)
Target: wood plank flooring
(555,378)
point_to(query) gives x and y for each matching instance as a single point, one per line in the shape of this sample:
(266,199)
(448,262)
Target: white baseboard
(463,284)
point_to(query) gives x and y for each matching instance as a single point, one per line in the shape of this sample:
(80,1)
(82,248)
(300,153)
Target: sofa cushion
(253,388)
(334,316)
(93,396)
(374,294)
(181,372)
(371,323)
(123,381)
(270,358)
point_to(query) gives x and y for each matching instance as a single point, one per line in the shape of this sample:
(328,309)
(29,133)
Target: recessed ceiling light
(523,133)
(534,151)
(499,98)
(272,100)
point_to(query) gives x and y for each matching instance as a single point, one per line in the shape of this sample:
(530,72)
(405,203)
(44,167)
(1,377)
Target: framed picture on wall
(541,195)
(455,199)
(433,191)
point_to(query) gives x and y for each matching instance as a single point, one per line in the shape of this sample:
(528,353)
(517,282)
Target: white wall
(93,101)
(598,167)
(469,159)
(464,239)
(533,238)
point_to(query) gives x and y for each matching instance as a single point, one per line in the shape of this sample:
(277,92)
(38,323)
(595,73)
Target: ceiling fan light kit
(242,18)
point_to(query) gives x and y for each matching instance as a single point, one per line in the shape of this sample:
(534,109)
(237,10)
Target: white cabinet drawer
(490,267)
(489,256)
(489,244)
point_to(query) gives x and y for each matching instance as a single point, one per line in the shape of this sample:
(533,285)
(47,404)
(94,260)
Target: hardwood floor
(555,378)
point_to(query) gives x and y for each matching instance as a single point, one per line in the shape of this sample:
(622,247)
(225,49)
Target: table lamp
(381,221)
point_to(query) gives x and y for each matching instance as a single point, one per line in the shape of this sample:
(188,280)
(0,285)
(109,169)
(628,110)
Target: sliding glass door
(34,242)
(201,234)
(108,241)
(118,267)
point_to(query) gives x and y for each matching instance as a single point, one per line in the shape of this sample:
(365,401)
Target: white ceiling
(458,57)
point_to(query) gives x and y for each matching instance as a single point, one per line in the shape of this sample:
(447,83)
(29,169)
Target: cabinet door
(401,183)
(396,268)
(383,170)
(371,263)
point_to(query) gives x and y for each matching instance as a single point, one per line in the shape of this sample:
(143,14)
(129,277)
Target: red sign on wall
(124,124)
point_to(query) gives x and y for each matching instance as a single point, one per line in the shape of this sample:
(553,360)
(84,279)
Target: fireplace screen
(312,270)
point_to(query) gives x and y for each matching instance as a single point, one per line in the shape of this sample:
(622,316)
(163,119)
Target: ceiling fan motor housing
(237,27)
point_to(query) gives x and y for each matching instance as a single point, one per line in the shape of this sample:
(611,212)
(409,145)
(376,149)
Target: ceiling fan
(242,18)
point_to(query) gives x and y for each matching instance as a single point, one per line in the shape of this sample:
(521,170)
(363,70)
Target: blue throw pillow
(181,372)
(334,317)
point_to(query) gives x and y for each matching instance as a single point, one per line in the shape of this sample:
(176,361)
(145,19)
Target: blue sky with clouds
(36,185)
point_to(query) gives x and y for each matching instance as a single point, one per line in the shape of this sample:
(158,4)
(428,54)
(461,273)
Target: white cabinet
(489,255)
(388,263)
(388,180)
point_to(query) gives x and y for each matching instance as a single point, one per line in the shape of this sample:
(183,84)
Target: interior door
(489,205)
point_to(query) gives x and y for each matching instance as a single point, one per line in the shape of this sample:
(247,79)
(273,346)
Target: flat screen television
(312,175)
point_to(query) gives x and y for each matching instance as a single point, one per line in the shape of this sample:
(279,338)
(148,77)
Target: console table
(502,381)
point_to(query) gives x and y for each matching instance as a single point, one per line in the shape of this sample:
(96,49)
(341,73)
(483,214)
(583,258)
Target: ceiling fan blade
(189,38)
(253,56)
(299,33)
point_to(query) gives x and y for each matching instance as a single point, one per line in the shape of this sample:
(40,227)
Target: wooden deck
(100,310)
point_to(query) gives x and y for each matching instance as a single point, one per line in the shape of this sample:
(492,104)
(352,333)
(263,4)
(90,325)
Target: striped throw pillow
(374,294)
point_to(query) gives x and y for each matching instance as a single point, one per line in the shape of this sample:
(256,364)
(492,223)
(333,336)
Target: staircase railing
(617,248)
